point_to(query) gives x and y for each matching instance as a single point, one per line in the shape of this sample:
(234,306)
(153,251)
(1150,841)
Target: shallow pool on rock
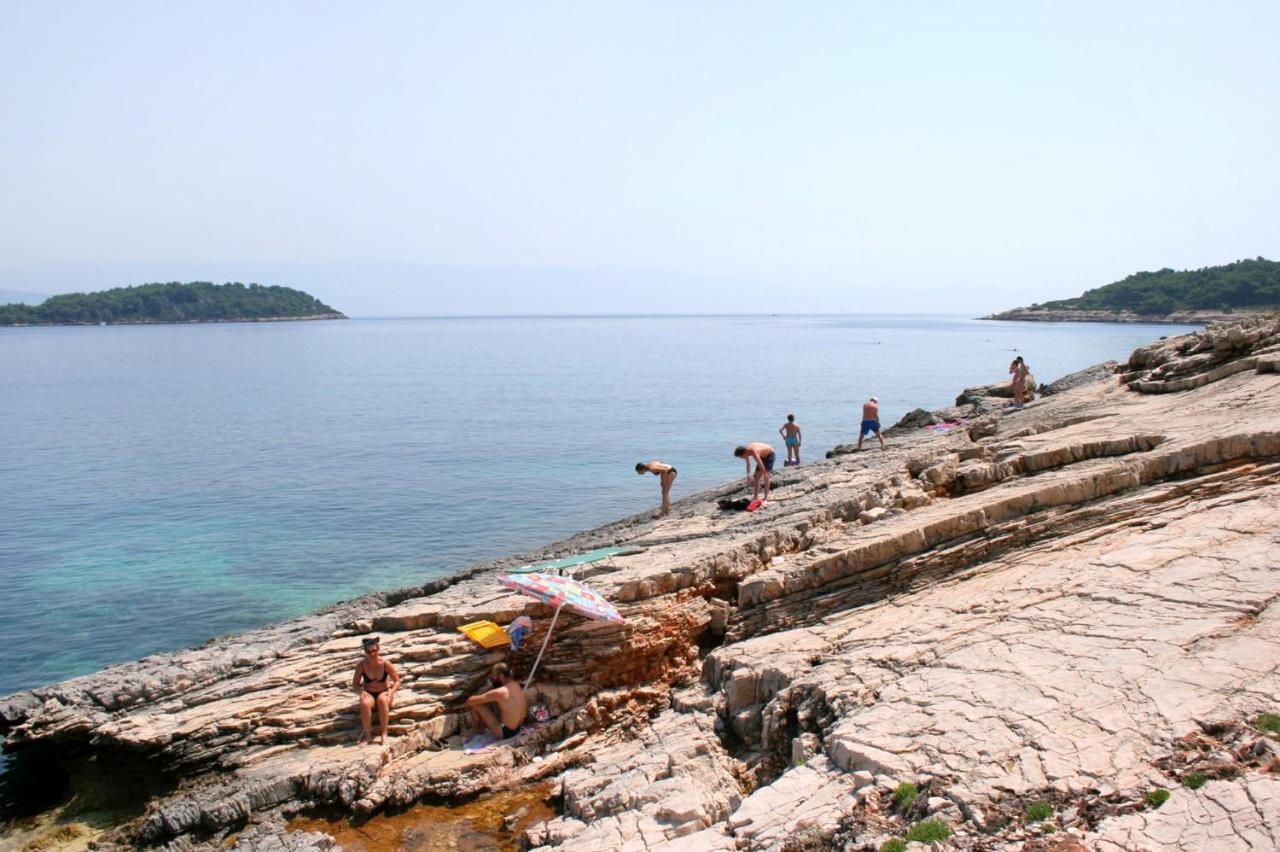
(476,825)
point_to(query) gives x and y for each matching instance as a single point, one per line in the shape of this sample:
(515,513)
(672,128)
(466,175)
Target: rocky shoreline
(1064,608)
(1175,318)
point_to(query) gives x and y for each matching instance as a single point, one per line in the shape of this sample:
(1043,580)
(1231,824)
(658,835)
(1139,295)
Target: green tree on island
(1243,284)
(199,301)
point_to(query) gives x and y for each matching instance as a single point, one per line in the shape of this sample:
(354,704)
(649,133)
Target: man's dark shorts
(508,733)
(869,426)
(769,460)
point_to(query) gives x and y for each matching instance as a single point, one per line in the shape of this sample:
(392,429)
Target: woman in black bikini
(376,681)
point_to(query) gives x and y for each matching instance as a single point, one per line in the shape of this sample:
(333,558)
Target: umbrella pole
(545,640)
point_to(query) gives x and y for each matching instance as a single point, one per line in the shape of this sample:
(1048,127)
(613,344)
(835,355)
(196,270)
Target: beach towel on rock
(484,741)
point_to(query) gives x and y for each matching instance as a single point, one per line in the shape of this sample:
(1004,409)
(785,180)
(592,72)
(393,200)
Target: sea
(161,485)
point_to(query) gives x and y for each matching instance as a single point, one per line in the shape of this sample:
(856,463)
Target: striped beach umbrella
(560,592)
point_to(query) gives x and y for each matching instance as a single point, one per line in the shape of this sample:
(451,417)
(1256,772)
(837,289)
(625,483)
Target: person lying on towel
(504,719)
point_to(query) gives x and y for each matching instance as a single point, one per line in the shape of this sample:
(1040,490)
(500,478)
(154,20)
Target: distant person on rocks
(764,456)
(666,476)
(870,421)
(376,681)
(504,719)
(790,432)
(1019,370)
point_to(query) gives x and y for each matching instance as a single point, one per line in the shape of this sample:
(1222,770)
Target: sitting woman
(376,681)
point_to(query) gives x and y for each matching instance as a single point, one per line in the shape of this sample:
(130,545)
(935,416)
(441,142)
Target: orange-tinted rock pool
(481,824)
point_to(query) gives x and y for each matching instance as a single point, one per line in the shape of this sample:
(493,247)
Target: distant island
(198,301)
(1211,294)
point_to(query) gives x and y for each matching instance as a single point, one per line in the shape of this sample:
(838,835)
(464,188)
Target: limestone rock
(1032,606)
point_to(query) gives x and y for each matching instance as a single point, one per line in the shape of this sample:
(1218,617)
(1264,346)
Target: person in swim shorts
(870,421)
(376,682)
(790,432)
(764,456)
(504,719)
(666,476)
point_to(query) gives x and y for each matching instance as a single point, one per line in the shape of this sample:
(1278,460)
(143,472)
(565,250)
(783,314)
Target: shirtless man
(666,475)
(870,421)
(503,721)
(376,682)
(790,433)
(764,456)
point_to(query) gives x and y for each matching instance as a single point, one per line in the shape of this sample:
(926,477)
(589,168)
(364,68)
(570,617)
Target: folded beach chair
(486,634)
(567,564)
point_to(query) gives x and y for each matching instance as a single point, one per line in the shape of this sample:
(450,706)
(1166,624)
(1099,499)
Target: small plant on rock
(1048,827)
(1194,780)
(928,831)
(894,844)
(1157,797)
(1269,722)
(1038,812)
(904,795)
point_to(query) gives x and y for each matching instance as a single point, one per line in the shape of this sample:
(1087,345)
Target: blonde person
(666,477)
(376,681)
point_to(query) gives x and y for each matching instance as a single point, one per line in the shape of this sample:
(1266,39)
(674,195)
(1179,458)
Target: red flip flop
(754,504)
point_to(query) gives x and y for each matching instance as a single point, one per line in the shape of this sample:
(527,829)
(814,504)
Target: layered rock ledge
(1074,604)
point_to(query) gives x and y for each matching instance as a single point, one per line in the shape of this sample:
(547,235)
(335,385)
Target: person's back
(512,705)
(870,421)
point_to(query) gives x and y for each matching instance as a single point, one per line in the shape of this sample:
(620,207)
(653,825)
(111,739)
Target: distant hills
(1207,294)
(174,302)
(23,296)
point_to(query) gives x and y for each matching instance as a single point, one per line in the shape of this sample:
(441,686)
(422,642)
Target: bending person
(504,719)
(666,476)
(764,456)
(376,681)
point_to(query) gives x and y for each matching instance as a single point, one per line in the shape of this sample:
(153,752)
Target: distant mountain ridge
(174,302)
(23,296)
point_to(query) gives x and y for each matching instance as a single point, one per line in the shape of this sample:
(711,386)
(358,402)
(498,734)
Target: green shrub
(1157,797)
(904,795)
(1038,812)
(1269,722)
(1194,780)
(929,831)
(895,844)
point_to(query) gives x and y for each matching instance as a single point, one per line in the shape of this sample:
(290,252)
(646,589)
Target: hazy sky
(549,157)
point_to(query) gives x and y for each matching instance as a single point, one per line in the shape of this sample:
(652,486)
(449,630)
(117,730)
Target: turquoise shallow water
(162,485)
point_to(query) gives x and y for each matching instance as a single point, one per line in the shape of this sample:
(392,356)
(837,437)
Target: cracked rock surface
(1031,604)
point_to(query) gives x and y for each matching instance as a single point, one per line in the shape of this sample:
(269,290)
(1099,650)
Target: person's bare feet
(365,739)
(384,739)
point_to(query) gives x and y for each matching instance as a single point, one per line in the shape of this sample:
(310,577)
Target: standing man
(870,421)
(790,433)
(764,456)
(505,718)
(666,475)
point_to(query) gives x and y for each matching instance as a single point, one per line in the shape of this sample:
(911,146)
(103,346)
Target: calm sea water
(161,485)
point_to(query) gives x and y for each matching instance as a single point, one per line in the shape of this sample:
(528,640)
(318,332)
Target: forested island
(174,302)
(1211,294)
